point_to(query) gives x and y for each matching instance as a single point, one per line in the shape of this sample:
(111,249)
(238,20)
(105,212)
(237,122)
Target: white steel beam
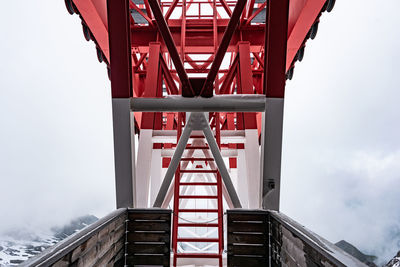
(172,139)
(228,153)
(144,156)
(271,152)
(155,174)
(124,152)
(217,103)
(197,121)
(254,183)
(183,140)
(241,182)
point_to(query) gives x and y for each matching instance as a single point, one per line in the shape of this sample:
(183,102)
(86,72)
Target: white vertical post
(124,152)
(143,168)
(155,174)
(254,183)
(241,180)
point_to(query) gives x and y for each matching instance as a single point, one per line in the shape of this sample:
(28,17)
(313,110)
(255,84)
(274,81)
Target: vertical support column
(124,151)
(120,48)
(155,174)
(251,151)
(152,84)
(242,185)
(144,156)
(274,88)
(271,152)
(245,85)
(121,85)
(254,183)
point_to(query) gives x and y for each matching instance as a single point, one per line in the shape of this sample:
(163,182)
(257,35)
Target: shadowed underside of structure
(202,84)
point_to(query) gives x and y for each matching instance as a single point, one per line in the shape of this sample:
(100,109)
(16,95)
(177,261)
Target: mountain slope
(353,251)
(395,262)
(18,245)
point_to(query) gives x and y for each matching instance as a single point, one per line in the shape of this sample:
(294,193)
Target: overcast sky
(341,151)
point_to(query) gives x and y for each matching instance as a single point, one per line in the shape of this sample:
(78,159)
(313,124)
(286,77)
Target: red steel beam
(95,17)
(148,11)
(302,25)
(169,42)
(152,85)
(275,47)
(256,13)
(259,60)
(140,61)
(135,7)
(226,7)
(229,76)
(250,8)
(169,81)
(120,48)
(226,39)
(171,9)
(246,82)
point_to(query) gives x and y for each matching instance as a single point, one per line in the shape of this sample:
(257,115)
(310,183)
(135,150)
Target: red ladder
(179,221)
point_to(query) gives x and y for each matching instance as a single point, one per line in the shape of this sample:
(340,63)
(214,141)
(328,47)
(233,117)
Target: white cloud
(340,173)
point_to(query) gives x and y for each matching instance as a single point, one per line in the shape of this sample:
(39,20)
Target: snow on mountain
(395,262)
(369,260)
(353,251)
(18,245)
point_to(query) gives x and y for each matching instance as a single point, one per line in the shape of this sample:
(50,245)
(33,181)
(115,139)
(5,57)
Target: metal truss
(202,83)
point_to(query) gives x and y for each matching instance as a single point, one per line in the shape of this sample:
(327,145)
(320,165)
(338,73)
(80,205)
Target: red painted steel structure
(200,36)
(199,47)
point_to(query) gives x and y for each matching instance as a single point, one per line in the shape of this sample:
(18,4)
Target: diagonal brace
(169,42)
(197,121)
(223,47)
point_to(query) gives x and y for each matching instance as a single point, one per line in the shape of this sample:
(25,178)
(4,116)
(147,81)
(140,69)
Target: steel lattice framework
(202,82)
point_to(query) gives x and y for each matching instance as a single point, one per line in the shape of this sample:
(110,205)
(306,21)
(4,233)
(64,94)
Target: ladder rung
(199,196)
(197,159)
(197,224)
(184,239)
(197,255)
(198,171)
(196,136)
(199,183)
(199,210)
(197,147)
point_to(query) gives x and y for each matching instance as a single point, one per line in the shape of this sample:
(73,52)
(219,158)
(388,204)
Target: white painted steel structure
(253,183)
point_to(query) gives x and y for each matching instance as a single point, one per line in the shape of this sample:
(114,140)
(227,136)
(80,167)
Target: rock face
(353,251)
(395,262)
(18,245)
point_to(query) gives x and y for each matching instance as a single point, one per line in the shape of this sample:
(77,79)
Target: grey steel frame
(218,103)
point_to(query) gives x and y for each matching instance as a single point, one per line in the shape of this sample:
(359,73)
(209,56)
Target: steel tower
(202,84)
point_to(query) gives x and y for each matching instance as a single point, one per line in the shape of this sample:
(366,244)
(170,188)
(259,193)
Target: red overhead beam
(300,27)
(275,47)
(120,48)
